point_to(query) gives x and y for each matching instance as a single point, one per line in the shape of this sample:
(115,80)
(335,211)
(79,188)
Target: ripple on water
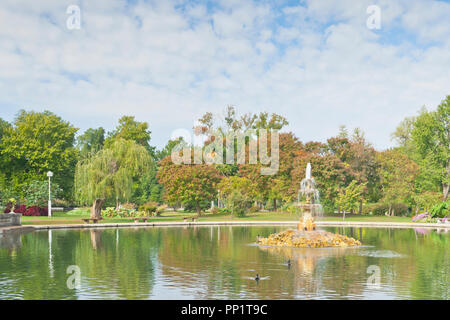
(381,254)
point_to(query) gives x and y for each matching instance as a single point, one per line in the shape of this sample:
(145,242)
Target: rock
(315,239)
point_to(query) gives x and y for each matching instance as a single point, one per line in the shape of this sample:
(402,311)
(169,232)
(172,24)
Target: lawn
(75,216)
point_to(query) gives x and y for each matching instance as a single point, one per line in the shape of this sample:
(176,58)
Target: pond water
(221,263)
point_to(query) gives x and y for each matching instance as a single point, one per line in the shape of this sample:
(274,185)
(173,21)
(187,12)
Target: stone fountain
(306,234)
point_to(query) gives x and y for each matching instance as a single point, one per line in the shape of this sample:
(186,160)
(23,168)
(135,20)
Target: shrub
(422,217)
(441,210)
(237,203)
(20,209)
(215,210)
(149,208)
(36,211)
(253,209)
(109,212)
(224,211)
(128,206)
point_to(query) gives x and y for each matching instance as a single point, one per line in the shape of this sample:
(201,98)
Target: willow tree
(110,174)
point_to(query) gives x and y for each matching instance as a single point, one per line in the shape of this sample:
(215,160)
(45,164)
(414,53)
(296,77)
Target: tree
(130,129)
(350,197)
(397,173)
(360,156)
(431,138)
(147,188)
(36,143)
(91,141)
(110,174)
(188,183)
(237,192)
(36,193)
(167,150)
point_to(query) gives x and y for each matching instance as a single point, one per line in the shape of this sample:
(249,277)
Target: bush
(253,209)
(215,210)
(400,209)
(36,211)
(20,209)
(109,212)
(128,206)
(238,204)
(149,208)
(224,211)
(441,210)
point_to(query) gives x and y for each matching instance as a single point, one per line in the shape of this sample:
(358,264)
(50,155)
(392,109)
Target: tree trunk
(96,210)
(445,186)
(360,206)
(197,206)
(274,204)
(96,239)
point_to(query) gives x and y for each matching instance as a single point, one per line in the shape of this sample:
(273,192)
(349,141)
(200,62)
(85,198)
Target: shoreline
(405,225)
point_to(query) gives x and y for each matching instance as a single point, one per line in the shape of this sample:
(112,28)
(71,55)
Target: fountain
(306,234)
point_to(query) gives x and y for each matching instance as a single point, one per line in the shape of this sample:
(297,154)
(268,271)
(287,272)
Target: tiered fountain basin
(308,239)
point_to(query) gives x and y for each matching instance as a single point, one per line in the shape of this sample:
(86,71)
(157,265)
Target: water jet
(306,234)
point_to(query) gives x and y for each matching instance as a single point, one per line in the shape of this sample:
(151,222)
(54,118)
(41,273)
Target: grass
(75,216)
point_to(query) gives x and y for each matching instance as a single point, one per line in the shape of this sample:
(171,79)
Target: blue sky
(168,62)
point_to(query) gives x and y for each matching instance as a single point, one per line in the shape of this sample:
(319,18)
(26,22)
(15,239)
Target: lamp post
(49,175)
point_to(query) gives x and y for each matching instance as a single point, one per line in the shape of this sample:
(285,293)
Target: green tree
(110,174)
(237,192)
(397,173)
(350,197)
(431,138)
(91,141)
(167,150)
(360,156)
(36,193)
(130,129)
(36,143)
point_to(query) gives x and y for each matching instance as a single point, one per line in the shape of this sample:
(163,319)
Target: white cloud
(317,64)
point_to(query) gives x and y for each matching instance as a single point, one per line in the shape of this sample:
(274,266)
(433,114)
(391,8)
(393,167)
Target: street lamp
(49,175)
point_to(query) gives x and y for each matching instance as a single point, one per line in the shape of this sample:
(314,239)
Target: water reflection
(221,263)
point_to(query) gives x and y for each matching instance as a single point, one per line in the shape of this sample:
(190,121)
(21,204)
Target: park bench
(136,219)
(193,219)
(94,220)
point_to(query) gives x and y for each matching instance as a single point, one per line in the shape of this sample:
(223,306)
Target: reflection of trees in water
(27,269)
(219,260)
(110,269)
(117,263)
(10,241)
(219,263)
(311,270)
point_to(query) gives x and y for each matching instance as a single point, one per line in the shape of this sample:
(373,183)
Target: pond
(221,263)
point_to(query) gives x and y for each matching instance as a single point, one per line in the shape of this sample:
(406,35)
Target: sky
(318,63)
